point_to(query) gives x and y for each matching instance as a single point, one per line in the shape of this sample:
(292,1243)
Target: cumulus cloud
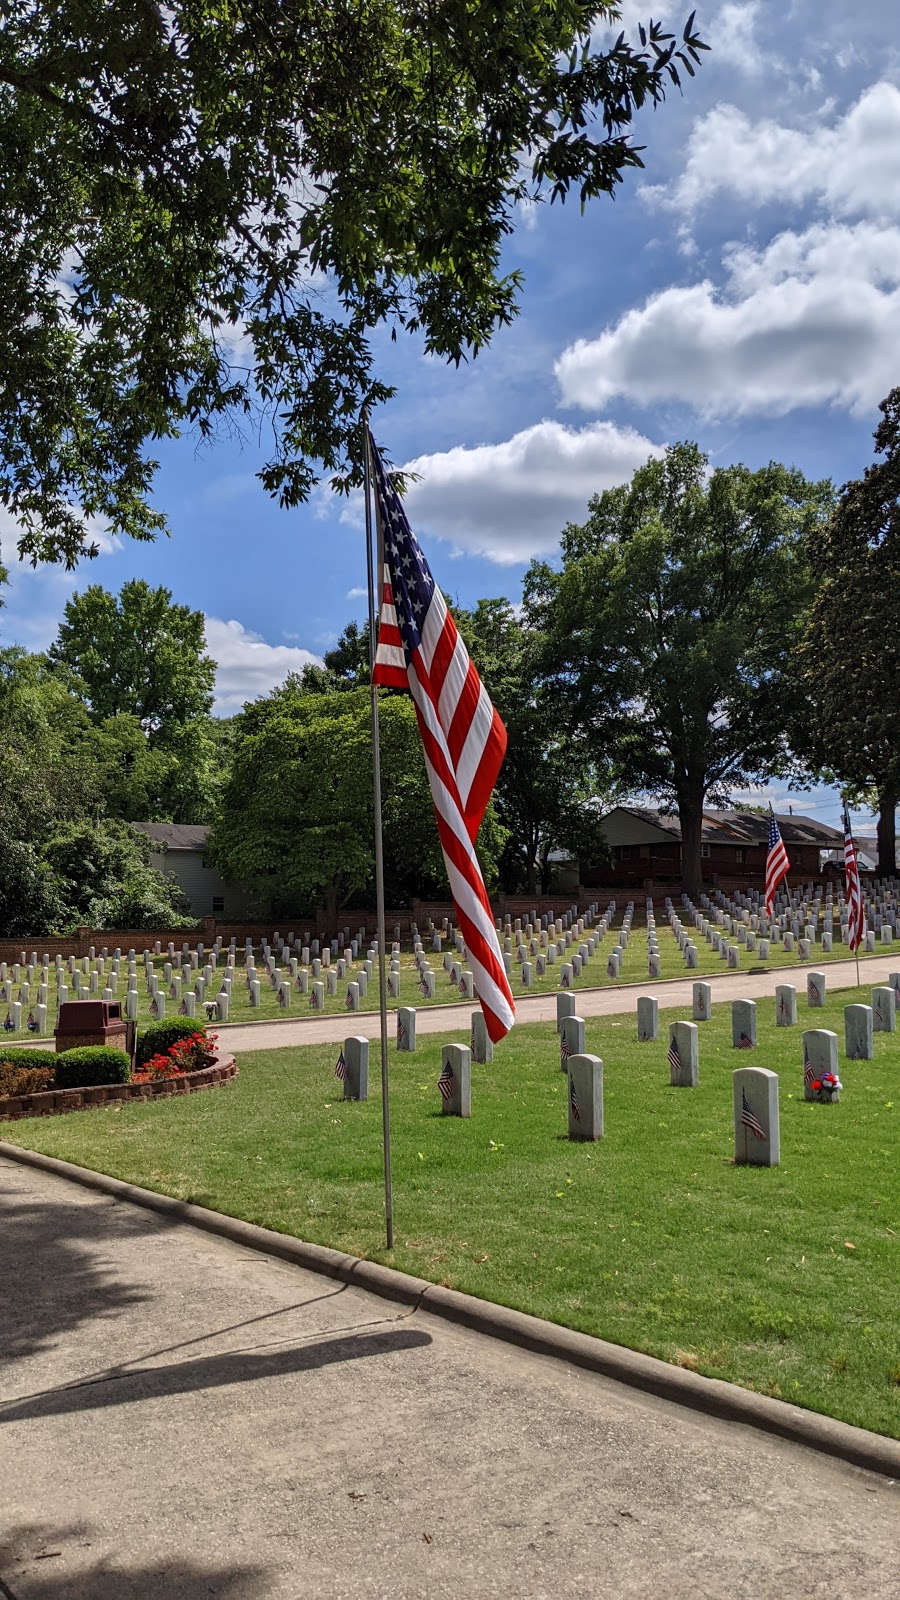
(811,319)
(247,665)
(848,166)
(509,501)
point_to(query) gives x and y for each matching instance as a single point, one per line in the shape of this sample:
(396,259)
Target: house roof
(175,835)
(740,827)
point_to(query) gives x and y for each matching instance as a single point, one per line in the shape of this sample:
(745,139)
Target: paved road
(605,1002)
(182,1417)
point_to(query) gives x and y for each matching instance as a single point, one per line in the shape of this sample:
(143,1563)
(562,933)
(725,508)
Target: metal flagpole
(379,848)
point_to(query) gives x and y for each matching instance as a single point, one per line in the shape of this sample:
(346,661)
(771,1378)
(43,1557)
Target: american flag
(673,1055)
(573,1101)
(423,987)
(445,1081)
(856,916)
(32,1024)
(809,1070)
(777,863)
(340,1068)
(401,1033)
(744,1041)
(154,1007)
(749,1121)
(611,968)
(182,1009)
(463,739)
(9,1025)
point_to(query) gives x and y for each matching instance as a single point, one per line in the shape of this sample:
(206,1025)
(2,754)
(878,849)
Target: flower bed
(188,1065)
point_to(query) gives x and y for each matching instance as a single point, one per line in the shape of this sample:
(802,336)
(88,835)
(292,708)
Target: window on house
(739,856)
(218,905)
(704,849)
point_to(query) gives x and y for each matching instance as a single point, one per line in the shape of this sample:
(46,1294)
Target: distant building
(179,849)
(646,844)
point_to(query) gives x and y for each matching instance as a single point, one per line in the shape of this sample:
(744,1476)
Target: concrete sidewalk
(604,1002)
(182,1417)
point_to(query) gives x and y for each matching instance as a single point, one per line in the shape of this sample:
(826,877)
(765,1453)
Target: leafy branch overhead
(207,209)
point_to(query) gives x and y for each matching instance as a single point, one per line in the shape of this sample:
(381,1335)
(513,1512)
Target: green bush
(92,1064)
(156,1039)
(28,1058)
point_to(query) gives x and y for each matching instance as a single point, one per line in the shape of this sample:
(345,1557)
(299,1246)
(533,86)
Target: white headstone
(757,1137)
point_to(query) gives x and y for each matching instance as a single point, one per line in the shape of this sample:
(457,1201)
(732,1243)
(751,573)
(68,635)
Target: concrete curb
(873,1452)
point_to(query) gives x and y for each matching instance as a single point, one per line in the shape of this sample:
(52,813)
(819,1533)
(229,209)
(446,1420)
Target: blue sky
(744,291)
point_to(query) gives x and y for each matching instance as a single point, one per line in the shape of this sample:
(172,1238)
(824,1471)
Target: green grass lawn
(785,1280)
(633,970)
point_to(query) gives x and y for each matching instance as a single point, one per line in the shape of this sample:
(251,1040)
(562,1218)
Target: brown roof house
(179,848)
(646,845)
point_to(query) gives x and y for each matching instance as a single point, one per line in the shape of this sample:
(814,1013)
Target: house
(179,849)
(645,844)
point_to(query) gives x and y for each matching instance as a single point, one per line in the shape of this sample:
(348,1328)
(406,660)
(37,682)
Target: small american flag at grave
(573,1101)
(32,1025)
(564,1050)
(749,1121)
(744,1041)
(340,1067)
(9,1025)
(182,1009)
(282,997)
(314,1000)
(401,1033)
(809,1070)
(445,1081)
(673,1055)
(154,1007)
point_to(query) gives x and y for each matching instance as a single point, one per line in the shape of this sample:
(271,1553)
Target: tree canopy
(850,672)
(670,627)
(546,794)
(208,208)
(295,816)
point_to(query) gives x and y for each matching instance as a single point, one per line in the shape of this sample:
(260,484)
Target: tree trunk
(887,807)
(690,815)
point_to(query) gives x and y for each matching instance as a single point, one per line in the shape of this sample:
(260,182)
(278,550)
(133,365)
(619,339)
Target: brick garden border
(56,1102)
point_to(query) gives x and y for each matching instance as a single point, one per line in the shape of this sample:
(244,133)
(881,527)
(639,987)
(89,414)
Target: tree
(295,817)
(103,879)
(545,793)
(29,901)
(850,676)
(138,655)
(180,181)
(48,770)
(671,625)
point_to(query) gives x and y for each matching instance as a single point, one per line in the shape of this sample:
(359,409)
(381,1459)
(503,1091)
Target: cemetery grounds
(784,1280)
(633,969)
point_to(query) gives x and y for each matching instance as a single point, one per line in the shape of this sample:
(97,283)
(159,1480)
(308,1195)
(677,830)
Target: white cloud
(812,319)
(848,166)
(247,665)
(509,501)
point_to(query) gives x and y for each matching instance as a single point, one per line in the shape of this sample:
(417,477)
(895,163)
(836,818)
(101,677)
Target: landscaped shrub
(28,1058)
(17,1080)
(158,1038)
(91,1064)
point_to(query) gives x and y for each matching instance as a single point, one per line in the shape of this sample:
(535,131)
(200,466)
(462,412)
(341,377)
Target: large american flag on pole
(856,916)
(777,863)
(463,739)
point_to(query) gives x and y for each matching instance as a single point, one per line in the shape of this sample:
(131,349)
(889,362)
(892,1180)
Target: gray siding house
(178,848)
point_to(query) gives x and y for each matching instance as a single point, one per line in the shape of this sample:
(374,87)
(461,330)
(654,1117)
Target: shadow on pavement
(29,1555)
(52,1277)
(211,1372)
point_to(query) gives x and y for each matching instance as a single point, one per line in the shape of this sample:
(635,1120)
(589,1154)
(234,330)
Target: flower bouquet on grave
(826,1089)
